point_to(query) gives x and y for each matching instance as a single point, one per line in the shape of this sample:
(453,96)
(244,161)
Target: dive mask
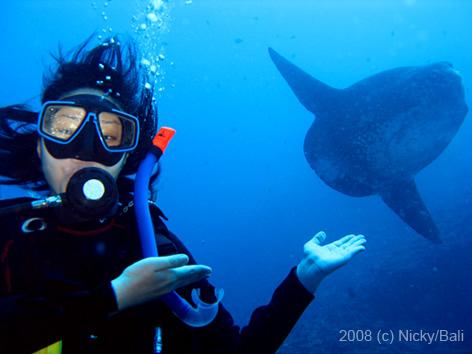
(88,128)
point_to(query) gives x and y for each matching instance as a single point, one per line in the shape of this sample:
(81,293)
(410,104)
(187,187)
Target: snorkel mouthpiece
(204,313)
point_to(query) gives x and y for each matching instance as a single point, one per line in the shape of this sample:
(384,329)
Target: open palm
(335,254)
(321,260)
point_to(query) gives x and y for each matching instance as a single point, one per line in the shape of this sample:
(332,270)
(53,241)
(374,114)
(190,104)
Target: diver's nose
(87,142)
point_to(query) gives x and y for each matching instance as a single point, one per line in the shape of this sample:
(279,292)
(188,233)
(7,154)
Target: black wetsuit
(55,285)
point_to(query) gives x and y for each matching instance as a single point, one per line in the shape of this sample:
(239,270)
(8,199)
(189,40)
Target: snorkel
(204,313)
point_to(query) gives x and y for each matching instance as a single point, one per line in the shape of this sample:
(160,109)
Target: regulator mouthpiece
(92,193)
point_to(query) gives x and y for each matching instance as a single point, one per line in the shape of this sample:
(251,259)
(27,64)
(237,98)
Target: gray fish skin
(374,136)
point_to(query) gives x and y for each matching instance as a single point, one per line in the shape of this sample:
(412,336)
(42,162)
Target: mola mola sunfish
(373,137)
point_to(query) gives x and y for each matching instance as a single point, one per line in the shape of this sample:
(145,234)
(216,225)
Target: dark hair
(111,67)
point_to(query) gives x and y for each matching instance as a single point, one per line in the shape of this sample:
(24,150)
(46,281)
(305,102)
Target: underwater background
(235,183)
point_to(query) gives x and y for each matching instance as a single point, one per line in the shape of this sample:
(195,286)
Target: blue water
(235,183)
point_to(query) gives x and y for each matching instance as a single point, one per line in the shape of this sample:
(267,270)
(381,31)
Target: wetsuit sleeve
(268,327)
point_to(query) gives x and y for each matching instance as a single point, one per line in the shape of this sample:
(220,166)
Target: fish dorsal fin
(312,93)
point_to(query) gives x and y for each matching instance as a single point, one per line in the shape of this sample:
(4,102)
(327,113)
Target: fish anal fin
(404,199)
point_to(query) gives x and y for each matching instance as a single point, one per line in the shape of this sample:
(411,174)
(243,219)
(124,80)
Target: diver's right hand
(152,277)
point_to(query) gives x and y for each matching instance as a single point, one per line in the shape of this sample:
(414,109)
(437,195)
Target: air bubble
(108,77)
(152,17)
(99,82)
(149,25)
(147,86)
(157,4)
(101,66)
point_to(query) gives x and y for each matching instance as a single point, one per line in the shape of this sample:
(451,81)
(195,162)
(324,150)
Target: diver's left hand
(319,261)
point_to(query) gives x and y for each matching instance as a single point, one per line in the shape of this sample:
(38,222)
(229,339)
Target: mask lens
(118,131)
(61,122)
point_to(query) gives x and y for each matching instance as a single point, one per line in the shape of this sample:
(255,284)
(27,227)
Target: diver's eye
(111,139)
(65,131)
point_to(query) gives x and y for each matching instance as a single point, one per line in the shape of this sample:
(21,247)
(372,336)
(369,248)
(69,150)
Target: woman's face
(58,172)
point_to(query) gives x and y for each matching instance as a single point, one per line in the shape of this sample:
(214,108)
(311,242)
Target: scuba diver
(73,274)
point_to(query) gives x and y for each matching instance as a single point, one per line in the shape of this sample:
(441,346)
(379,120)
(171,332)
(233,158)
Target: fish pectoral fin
(403,198)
